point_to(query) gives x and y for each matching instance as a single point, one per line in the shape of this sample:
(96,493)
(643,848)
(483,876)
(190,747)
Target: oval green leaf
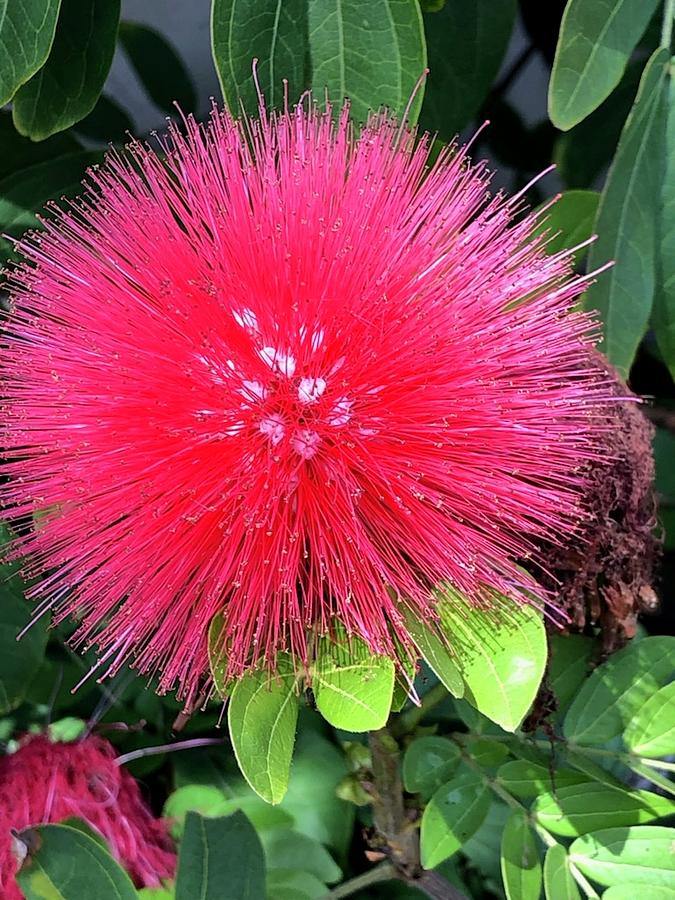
(502,661)
(262,717)
(526,780)
(158,66)
(558,881)
(65,863)
(428,763)
(615,691)
(640,855)
(466,43)
(272,31)
(626,223)
(568,666)
(582,808)
(353,688)
(664,298)
(595,42)
(220,859)
(454,813)
(651,731)
(520,864)
(68,85)
(436,653)
(26,35)
(631,891)
(373,54)
(569,221)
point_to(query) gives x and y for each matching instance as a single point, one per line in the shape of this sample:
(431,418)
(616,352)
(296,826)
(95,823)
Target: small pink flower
(289,375)
(45,782)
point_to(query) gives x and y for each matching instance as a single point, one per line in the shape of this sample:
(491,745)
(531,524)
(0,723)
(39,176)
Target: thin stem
(667,25)
(166,748)
(410,719)
(384,872)
(580,879)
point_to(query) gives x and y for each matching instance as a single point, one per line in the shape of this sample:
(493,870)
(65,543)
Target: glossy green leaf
(521,868)
(502,662)
(526,780)
(595,42)
(651,731)
(640,855)
(262,716)
(26,33)
(373,54)
(569,658)
(582,808)
(272,31)
(626,223)
(19,660)
(466,43)
(353,688)
(206,799)
(107,122)
(558,881)
(158,66)
(436,653)
(664,297)
(288,849)
(569,221)
(64,863)
(454,813)
(19,152)
(294,884)
(25,193)
(631,891)
(585,764)
(220,859)
(428,763)
(615,691)
(217,658)
(68,85)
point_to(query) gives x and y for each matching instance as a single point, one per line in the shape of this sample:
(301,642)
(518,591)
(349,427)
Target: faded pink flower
(290,375)
(46,782)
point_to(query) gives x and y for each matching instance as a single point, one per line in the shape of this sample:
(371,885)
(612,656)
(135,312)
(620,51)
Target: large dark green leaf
(466,43)
(372,53)
(272,31)
(67,87)
(627,221)
(18,152)
(25,193)
(262,716)
(107,122)
(596,40)
(158,66)
(568,665)
(521,868)
(428,763)
(26,34)
(19,660)
(664,298)
(220,859)
(639,855)
(454,813)
(65,863)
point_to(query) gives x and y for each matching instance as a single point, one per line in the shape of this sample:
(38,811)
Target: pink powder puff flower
(45,782)
(292,375)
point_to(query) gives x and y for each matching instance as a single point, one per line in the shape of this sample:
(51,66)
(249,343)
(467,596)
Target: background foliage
(506,805)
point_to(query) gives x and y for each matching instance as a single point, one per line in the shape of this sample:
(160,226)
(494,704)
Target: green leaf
(626,222)
(19,660)
(651,731)
(286,849)
(428,763)
(570,655)
(502,660)
(631,891)
(454,813)
(615,691)
(292,884)
(19,152)
(205,799)
(25,193)
(373,54)
(217,657)
(158,66)
(569,221)
(403,678)
(64,863)
(483,848)
(26,34)
(487,753)
(436,653)
(582,808)
(106,122)
(558,882)
(466,43)
(220,859)
(664,298)
(521,868)
(262,716)
(68,85)
(526,780)
(595,42)
(272,31)
(639,855)
(353,688)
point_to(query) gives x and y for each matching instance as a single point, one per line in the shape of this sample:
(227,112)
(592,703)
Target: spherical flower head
(47,782)
(291,375)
